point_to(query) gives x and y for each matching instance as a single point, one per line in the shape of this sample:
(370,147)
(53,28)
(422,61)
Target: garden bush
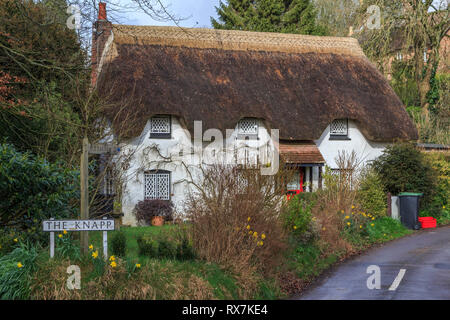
(440,162)
(119,244)
(148,246)
(371,195)
(147,209)
(403,168)
(32,190)
(167,248)
(234,220)
(297,217)
(185,251)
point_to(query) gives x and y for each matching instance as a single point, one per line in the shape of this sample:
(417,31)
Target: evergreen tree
(286,16)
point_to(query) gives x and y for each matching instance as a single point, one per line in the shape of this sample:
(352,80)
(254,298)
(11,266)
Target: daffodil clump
(357,220)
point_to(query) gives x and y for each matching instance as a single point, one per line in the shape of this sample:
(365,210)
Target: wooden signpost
(53,226)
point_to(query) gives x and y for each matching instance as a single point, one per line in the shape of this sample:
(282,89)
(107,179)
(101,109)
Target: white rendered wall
(366,150)
(143,156)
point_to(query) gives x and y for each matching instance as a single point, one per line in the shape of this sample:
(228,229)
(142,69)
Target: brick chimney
(101,31)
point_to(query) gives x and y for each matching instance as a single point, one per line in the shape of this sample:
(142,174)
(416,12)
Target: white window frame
(157,176)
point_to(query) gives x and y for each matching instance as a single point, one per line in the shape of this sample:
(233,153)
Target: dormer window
(248,128)
(339,129)
(160,127)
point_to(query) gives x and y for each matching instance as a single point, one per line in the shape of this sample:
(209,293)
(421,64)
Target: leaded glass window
(248,127)
(160,127)
(157,185)
(339,127)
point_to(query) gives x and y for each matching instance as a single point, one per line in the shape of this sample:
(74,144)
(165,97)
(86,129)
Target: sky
(197,12)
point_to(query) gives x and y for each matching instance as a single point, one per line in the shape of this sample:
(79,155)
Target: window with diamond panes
(248,127)
(339,127)
(157,185)
(160,127)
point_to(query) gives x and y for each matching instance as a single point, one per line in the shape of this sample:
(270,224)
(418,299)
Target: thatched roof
(295,83)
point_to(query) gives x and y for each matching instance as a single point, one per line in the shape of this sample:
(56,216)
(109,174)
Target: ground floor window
(157,185)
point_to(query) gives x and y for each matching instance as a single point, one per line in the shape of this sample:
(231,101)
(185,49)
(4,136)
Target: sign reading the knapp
(77,225)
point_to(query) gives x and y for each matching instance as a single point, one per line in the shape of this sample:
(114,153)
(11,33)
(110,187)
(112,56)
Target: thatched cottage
(322,94)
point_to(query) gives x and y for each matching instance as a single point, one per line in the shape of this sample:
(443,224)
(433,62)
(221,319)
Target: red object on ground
(427,222)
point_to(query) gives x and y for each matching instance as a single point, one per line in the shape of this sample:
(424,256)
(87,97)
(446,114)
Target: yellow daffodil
(443,207)
(65,231)
(371,224)
(248,227)
(138,265)
(91,247)
(248,219)
(113,264)
(19,265)
(342,211)
(60,235)
(250,232)
(346,217)
(348,223)
(263,236)
(255,234)
(16,240)
(324,228)
(373,218)
(260,243)
(95,254)
(112,258)
(353,207)
(360,226)
(295,227)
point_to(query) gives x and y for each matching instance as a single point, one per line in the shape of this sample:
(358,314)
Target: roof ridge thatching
(234,40)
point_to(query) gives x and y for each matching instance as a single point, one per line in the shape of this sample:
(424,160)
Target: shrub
(234,219)
(147,209)
(147,246)
(32,190)
(297,217)
(167,248)
(441,164)
(403,168)
(185,250)
(371,195)
(66,247)
(119,244)
(6,242)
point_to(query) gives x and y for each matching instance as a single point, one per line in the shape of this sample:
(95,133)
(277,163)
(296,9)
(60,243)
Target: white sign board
(77,225)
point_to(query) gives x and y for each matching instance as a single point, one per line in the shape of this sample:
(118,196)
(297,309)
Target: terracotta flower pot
(157,221)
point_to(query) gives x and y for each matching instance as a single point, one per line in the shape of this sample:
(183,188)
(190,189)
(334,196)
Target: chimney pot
(102,11)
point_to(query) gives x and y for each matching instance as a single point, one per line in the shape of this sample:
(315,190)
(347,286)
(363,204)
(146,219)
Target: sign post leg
(52,242)
(105,243)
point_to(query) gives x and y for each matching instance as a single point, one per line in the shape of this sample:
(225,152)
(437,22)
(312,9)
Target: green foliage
(297,217)
(385,229)
(164,247)
(66,247)
(148,246)
(291,16)
(32,190)
(403,168)
(119,244)
(167,249)
(15,271)
(185,251)
(371,195)
(441,199)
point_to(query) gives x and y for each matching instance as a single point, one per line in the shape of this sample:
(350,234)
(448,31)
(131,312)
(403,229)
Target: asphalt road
(424,257)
